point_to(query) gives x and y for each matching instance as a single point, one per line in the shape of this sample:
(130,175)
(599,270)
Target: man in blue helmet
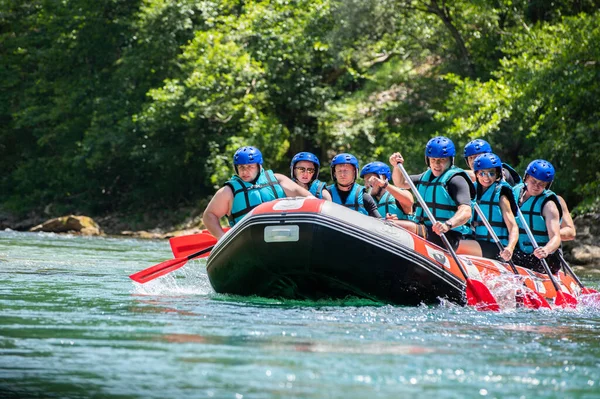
(446,189)
(345,191)
(304,170)
(249,187)
(393,202)
(542,211)
(477,147)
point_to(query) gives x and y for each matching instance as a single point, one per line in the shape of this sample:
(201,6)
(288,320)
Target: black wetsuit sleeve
(459,190)
(371,206)
(507,192)
(416,178)
(508,177)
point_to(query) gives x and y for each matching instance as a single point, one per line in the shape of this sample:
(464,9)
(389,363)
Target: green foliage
(542,103)
(111,105)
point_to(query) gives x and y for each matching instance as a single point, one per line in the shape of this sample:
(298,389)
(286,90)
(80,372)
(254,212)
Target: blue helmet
(379,168)
(341,159)
(477,146)
(439,147)
(247,155)
(541,170)
(305,156)
(487,161)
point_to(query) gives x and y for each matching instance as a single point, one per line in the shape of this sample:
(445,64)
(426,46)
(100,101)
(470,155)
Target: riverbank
(584,251)
(154,224)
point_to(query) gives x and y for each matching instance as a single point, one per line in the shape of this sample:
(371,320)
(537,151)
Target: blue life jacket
(532,212)
(387,204)
(433,190)
(248,196)
(353,201)
(316,188)
(489,202)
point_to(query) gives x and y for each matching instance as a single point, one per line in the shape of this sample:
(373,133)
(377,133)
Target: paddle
(478,294)
(531,299)
(167,266)
(185,245)
(584,289)
(562,298)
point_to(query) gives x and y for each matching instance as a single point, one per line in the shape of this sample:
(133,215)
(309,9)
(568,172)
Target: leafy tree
(542,103)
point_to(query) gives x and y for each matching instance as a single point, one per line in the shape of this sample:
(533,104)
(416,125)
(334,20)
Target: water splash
(589,301)
(188,280)
(504,288)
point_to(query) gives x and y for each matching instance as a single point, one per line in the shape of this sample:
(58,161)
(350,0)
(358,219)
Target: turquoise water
(73,325)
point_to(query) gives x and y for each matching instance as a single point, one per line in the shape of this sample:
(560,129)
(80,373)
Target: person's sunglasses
(302,169)
(488,174)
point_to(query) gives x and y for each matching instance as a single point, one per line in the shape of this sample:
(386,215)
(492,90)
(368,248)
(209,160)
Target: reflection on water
(286,345)
(72,325)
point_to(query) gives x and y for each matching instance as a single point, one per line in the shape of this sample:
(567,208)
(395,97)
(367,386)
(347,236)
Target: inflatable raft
(313,249)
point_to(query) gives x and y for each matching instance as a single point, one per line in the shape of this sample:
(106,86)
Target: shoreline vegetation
(132,107)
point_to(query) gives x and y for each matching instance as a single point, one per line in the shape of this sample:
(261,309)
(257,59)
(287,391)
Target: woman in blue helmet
(249,187)
(497,203)
(304,170)
(393,202)
(477,147)
(345,191)
(446,189)
(542,211)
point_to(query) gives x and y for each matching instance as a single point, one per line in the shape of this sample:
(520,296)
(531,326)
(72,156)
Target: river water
(73,325)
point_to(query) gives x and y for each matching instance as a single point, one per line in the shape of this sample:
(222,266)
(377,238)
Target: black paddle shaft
(433,221)
(494,235)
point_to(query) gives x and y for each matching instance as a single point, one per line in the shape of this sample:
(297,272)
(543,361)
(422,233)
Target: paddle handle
(494,235)
(432,219)
(199,253)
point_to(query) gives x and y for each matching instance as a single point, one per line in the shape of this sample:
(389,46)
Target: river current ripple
(73,325)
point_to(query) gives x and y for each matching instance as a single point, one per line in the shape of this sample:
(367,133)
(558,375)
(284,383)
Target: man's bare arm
(404,198)
(551,215)
(219,206)
(292,189)
(567,226)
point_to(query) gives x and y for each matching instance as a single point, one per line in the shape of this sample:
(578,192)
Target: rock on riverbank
(585,249)
(84,225)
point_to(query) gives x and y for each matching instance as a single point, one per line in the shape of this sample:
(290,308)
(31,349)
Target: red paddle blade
(588,291)
(531,300)
(565,300)
(537,298)
(183,246)
(479,296)
(165,267)
(158,270)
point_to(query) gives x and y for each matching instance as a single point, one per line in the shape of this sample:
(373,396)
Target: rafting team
(451,194)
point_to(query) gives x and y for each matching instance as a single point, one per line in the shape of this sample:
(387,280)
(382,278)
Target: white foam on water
(589,301)
(504,288)
(188,280)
